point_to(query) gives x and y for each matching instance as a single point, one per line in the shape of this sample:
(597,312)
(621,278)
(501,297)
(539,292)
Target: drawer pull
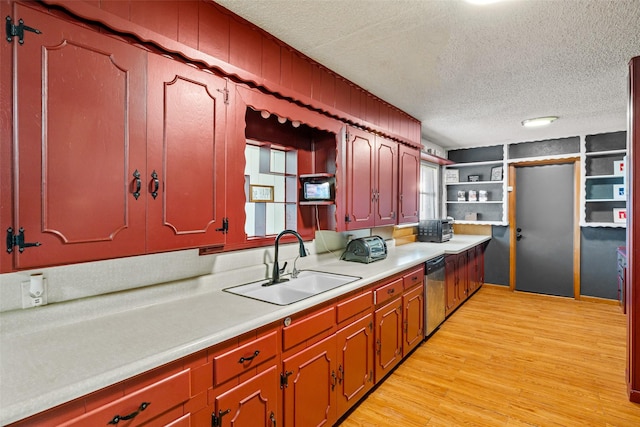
(249,358)
(118,418)
(391,291)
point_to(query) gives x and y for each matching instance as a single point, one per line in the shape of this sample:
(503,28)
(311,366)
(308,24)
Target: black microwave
(435,230)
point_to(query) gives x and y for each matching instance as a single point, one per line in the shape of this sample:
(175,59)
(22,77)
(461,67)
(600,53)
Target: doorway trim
(576,217)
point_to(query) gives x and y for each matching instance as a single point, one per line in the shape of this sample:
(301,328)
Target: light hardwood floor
(511,359)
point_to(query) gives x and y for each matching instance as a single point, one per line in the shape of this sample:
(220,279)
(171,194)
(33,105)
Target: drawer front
(413,278)
(142,406)
(316,325)
(389,291)
(244,358)
(354,306)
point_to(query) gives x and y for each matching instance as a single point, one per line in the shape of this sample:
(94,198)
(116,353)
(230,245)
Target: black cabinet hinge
(225,226)
(225,95)
(347,218)
(216,420)
(18,30)
(284,379)
(18,240)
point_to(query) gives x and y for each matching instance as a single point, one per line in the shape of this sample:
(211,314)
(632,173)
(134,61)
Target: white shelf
(468,202)
(470,164)
(604,153)
(457,221)
(604,176)
(474,182)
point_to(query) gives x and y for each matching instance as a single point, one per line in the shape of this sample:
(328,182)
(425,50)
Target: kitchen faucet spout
(275,276)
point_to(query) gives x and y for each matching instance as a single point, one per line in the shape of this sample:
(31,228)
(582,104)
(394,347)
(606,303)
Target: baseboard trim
(588,298)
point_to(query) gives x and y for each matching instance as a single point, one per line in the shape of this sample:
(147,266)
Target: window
(429,191)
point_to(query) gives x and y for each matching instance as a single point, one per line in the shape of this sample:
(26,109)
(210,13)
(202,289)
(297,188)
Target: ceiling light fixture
(539,121)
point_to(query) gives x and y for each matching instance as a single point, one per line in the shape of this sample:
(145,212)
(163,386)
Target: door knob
(518,236)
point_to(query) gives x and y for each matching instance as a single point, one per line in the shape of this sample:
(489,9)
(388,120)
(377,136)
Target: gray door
(544,225)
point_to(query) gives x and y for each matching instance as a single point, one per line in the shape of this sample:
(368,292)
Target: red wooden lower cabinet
(311,377)
(355,362)
(388,324)
(413,319)
(308,373)
(155,405)
(254,403)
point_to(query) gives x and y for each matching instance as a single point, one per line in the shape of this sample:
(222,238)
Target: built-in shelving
(486,166)
(603,182)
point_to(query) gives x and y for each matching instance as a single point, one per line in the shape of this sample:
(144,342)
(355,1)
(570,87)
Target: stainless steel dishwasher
(434,294)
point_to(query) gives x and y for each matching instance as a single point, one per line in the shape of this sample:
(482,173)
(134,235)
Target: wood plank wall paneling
(511,359)
(245,47)
(213,31)
(161,17)
(270,60)
(187,31)
(204,31)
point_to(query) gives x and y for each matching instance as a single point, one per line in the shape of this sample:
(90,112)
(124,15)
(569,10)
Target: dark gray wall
(496,257)
(598,261)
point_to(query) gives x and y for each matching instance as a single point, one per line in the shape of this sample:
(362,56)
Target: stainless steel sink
(308,283)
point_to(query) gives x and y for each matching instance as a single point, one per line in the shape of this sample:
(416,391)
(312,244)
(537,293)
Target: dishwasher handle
(434,264)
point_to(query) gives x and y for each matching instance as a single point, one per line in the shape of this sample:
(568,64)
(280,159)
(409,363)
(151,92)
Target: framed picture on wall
(496,173)
(451,175)
(261,193)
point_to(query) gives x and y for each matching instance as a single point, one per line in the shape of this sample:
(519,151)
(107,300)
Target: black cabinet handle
(138,184)
(272,417)
(118,418)
(248,358)
(156,184)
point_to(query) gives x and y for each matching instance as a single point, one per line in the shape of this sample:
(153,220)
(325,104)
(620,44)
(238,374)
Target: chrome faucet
(275,277)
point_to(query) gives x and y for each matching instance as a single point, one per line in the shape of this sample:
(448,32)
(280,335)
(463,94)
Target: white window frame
(429,192)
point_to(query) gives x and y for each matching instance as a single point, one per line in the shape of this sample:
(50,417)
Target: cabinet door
(472,270)
(310,393)
(480,262)
(253,403)
(409,180)
(451,284)
(413,319)
(463,276)
(388,321)
(386,182)
(355,362)
(79,134)
(360,179)
(186,134)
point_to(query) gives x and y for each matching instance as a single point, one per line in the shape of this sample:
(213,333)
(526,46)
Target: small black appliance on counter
(435,230)
(365,250)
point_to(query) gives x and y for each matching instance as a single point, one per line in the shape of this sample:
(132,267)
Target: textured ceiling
(472,73)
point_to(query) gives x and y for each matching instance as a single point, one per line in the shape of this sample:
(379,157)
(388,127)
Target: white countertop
(57,353)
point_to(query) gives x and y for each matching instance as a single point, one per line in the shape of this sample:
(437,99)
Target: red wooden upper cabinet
(185,172)
(118,151)
(409,180)
(372,180)
(80,141)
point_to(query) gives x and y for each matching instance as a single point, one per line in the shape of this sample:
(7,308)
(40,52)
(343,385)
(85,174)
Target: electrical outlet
(34,292)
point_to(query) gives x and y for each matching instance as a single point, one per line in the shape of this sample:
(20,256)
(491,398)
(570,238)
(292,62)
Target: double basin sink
(308,283)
